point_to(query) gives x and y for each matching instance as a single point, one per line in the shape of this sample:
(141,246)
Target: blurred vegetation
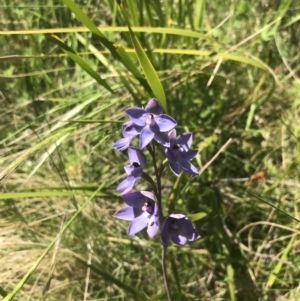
(230,70)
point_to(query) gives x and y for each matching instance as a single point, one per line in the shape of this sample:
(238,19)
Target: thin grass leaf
(199,13)
(19,286)
(133,12)
(126,58)
(128,81)
(161,30)
(149,71)
(273,275)
(273,206)
(110,46)
(158,297)
(44,194)
(84,18)
(253,105)
(230,281)
(78,60)
(227,56)
(197,216)
(292,21)
(136,295)
(279,13)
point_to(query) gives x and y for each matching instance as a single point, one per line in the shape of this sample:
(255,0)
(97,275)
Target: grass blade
(137,295)
(78,60)
(197,216)
(231,283)
(278,267)
(149,71)
(161,30)
(43,194)
(110,46)
(199,14)
(275,207)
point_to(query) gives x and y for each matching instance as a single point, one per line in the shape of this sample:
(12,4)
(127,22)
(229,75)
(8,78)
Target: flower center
(135,164)
(174,224)
(176,150)
(150,120)
(147,207)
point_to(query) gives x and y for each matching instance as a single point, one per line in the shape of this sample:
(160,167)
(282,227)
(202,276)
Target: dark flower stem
(158,182)
(158,174)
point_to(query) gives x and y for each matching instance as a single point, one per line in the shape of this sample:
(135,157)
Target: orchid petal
(147,194)
(129,129)
(137,172)
(122,144)
(126,185)
(169,154)
(145,137)
(136,199)
(177,215)
(138,224)
(185,140)
(165,122)
(172,138)
(128,213)
(178,239)
(188,167)
(137,115)
(153,226)
(175,168)
(136,156)
(153,107)
(162,138)
(188,230)
(132,171)
(129,169)
(189,155)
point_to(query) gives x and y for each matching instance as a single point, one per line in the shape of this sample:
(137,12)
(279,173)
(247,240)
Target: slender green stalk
(163,265)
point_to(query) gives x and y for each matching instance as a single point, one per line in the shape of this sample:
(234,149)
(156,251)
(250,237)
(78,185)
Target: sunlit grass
(229,71)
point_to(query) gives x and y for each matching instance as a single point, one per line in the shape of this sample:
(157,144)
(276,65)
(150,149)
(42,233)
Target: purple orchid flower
(154,124)
(179,229)
(179,153)
(129,131)
(133,171)
(142,211)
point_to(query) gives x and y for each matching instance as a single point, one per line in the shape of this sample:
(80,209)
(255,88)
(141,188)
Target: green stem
(163,264)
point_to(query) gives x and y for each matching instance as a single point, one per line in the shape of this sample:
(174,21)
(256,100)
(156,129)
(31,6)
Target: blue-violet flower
(179,153)
(154,124)
(179,229)
(129,131)
(133,171)
(142,211)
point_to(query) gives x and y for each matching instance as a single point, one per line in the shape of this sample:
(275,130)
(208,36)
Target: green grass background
(230,72)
